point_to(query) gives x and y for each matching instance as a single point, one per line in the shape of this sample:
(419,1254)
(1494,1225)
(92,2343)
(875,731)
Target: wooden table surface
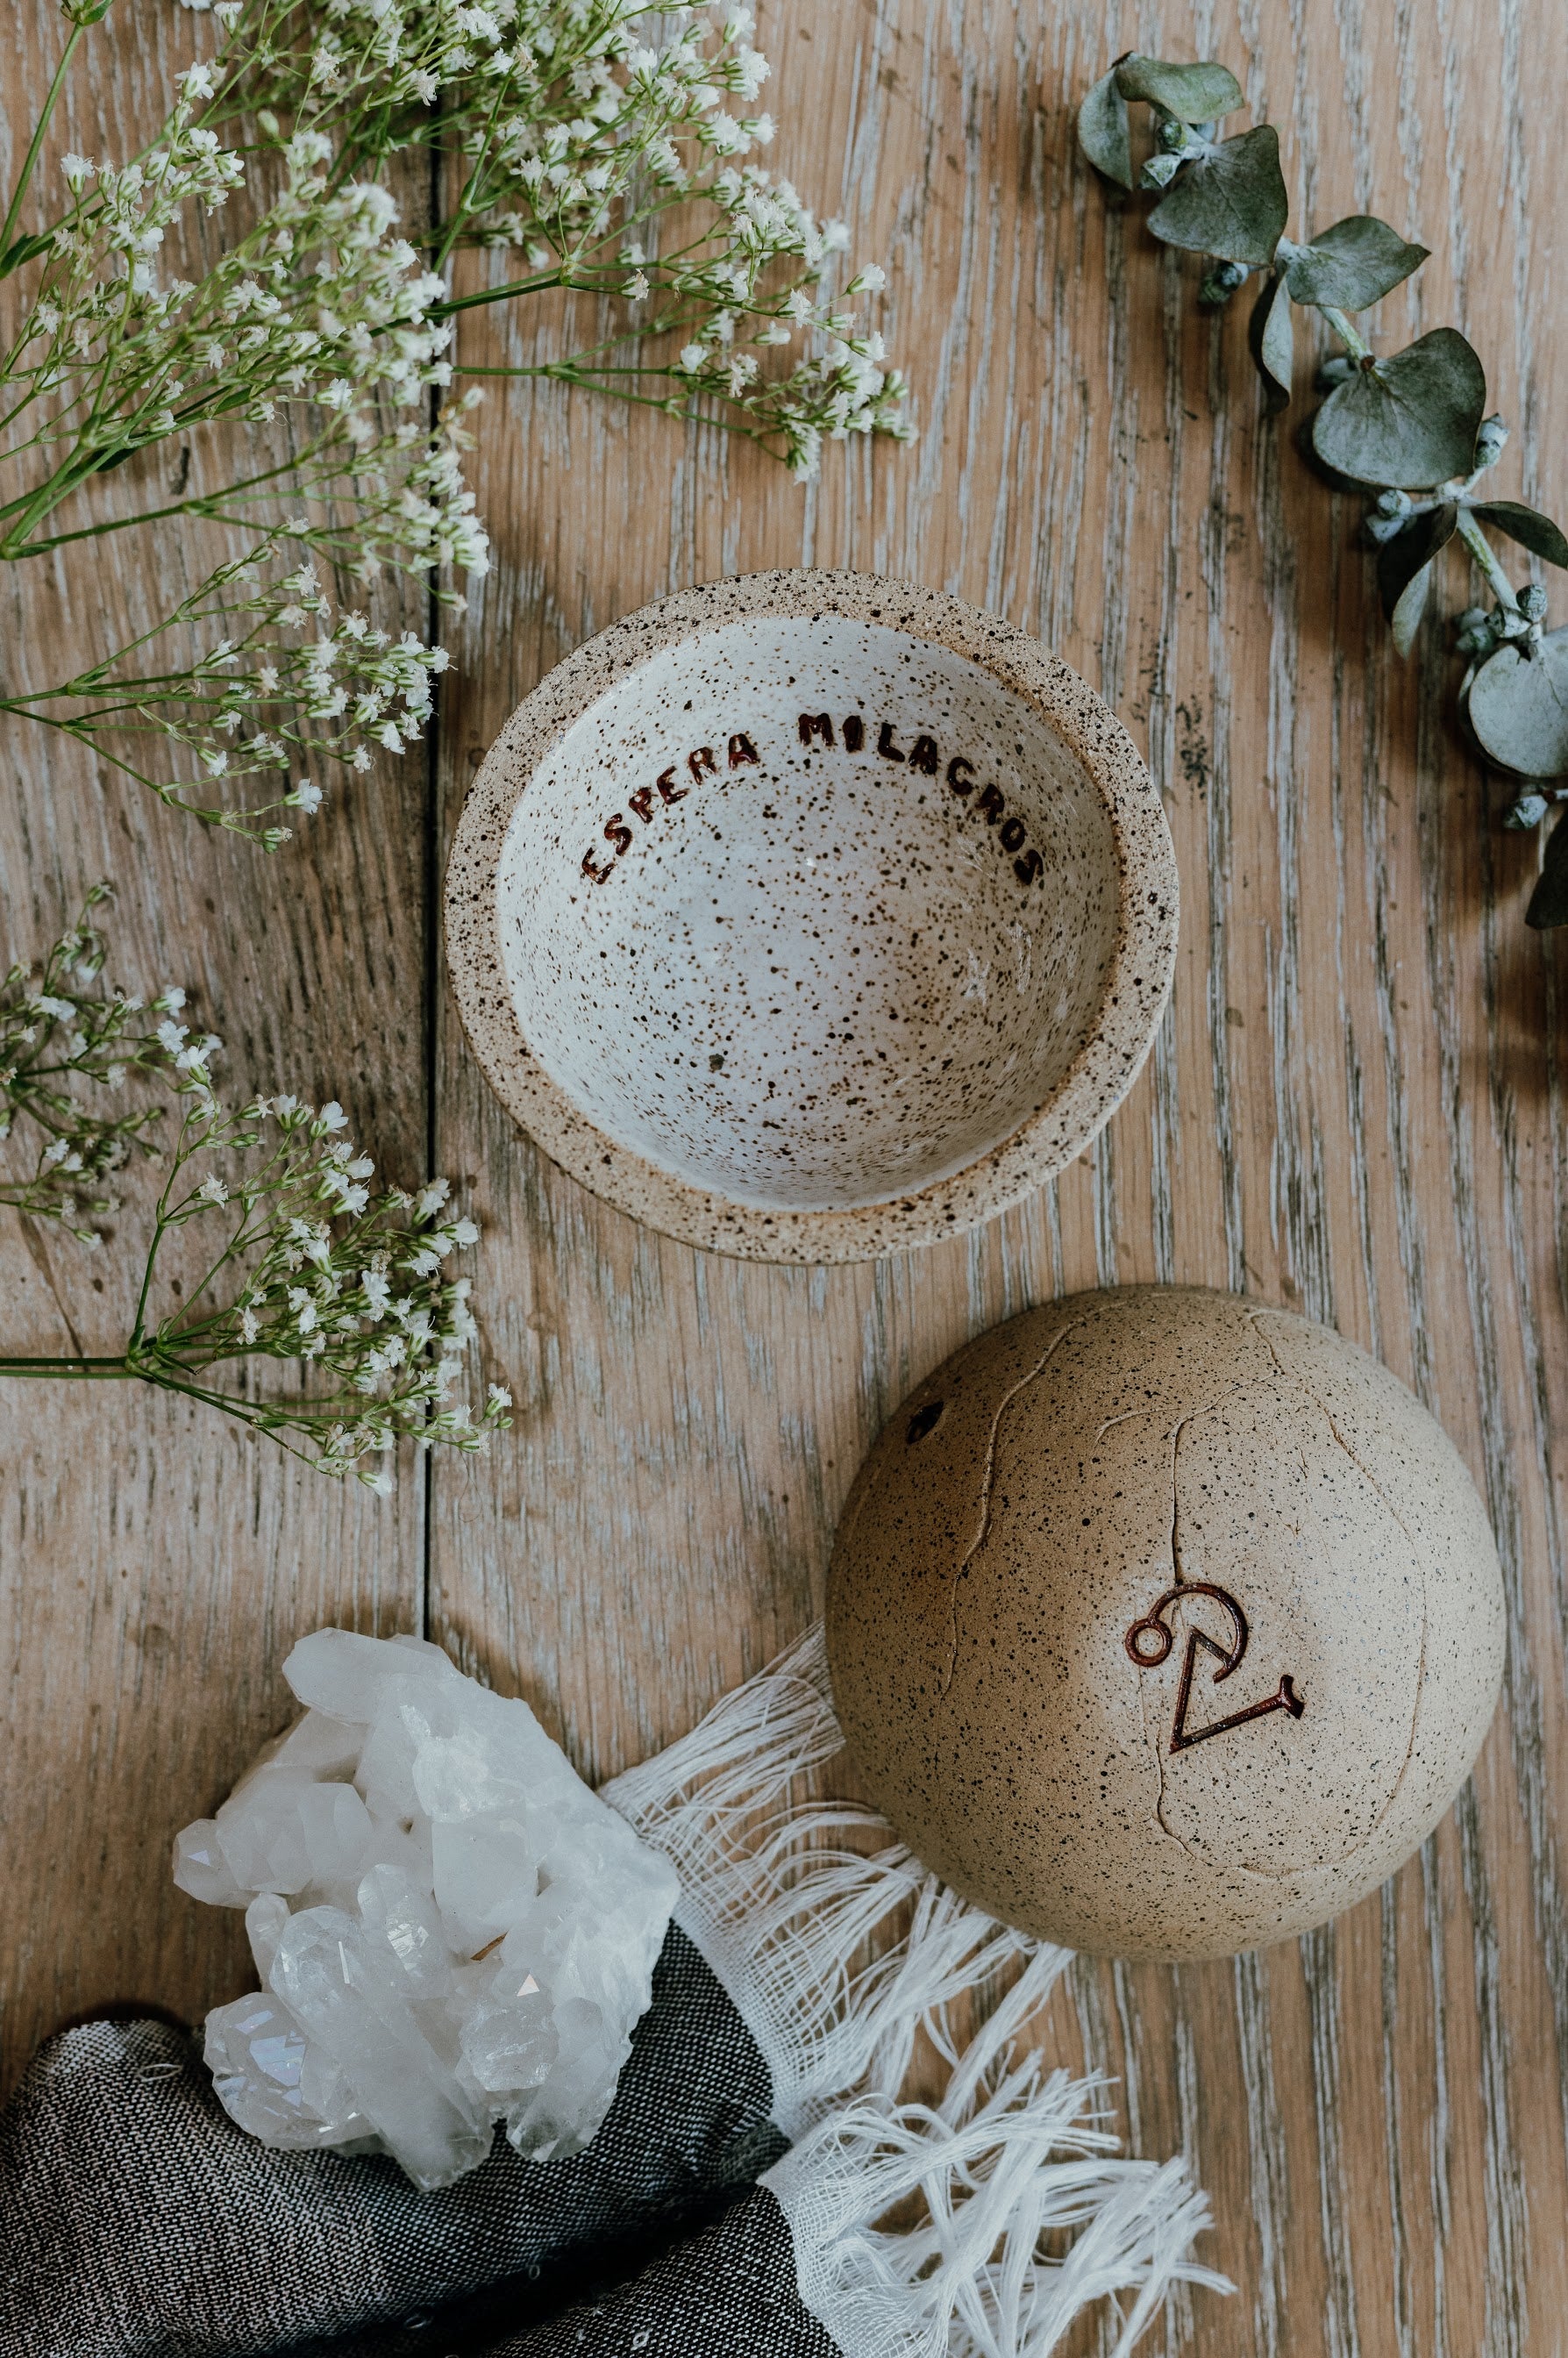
(1355,1107)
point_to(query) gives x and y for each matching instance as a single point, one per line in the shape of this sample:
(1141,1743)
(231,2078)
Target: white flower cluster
(320,305)
(286,686)
(313,1265)
(589,135)
(327,1272)
(582,123)
(268,699)
(842,385)
(409,508)
(607,135)
(590,109)
(320,301)
(56,1028)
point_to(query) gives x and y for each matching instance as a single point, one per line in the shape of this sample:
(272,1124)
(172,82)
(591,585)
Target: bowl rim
(1137,981)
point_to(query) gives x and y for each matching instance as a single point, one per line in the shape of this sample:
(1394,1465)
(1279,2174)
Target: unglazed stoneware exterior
(811,915)
(1163,1624)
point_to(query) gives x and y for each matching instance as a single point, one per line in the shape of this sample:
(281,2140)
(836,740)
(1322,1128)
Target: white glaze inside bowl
(823,976)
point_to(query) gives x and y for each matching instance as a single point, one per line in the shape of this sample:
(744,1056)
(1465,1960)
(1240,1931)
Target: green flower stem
(470,198)
(191,1330)
(214,814)
(1476,541)
(557,278)
(33,507)
(256,1415)
(29,161)
(160,1224)
(80,1370)
(564,373)
(1354,343)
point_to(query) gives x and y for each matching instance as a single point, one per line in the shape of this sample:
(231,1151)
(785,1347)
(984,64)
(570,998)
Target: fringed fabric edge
(1012,2158)
(805,1933)
(782,1908)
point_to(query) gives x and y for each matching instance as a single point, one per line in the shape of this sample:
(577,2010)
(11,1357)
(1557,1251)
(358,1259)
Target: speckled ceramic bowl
(811,916)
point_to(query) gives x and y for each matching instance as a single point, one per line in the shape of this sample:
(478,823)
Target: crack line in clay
(1256,1321)
(984,1532)
(1126,1417)
(1298,1383)
(1154,1736)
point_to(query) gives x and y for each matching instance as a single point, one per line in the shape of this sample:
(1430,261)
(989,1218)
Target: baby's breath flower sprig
(1411,432)
(621,172)
(286,685)
(276,682)
(609,143)
(581,126)
(308,1263)
(59,1027)
(318,301)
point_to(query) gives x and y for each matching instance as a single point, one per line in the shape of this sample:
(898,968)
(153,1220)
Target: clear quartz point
(450,1928)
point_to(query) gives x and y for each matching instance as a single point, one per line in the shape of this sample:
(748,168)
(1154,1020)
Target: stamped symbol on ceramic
(1149,1642)
(1067,1583)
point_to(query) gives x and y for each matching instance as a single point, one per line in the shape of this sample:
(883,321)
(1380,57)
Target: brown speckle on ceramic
(1163,1624)
(811,914)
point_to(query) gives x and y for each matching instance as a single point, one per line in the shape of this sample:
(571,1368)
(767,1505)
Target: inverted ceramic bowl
(810,915)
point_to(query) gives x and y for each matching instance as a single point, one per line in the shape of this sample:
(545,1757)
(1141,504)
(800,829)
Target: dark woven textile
(137,2222)
(728,2292)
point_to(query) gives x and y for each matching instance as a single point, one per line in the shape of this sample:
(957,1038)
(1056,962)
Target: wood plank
(155,1563)
(1354,1108)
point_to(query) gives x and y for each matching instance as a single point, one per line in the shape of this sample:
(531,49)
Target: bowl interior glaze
(808,914)
(847,913)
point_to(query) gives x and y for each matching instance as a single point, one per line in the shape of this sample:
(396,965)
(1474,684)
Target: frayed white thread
(997,2168)
(781,1906)
(739,1757)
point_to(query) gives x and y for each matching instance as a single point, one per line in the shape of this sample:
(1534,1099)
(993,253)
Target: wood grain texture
(1355,1109)
(155,1565)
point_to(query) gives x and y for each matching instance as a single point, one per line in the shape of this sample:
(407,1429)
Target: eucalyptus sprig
(1410,429)
(302,1260)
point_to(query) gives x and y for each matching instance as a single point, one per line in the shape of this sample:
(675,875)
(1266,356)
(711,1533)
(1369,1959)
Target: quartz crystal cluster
(450,1928)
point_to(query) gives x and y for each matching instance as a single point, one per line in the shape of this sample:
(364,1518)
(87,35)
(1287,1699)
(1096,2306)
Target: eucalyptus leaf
(1200,94)
(1517,708)
(1353,264)
(1409,421)
(1102,131)
(1271,342)
(1231,203)
(1532,531)
(1407,609)
(1406,561)
(1548,902)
